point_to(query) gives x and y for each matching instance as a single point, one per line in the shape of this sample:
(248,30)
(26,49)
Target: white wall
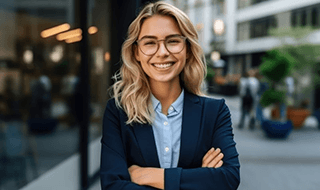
(231,26)
(271,8)
(275,7)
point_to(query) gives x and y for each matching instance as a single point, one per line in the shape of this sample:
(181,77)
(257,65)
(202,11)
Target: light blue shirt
(167,131)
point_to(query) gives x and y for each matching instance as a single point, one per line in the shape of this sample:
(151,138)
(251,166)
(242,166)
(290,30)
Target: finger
(215,161)
(207,154)
(211,156)
(205,160)
(219,164)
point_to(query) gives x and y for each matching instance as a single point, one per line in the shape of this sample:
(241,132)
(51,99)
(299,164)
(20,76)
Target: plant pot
(317,115)
(297,116)
(277,129)
(275,113)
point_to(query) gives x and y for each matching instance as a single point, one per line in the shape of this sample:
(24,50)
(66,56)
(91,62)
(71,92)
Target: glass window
(221,7)
(257,1)
(261,27)
(304,18)
(246,3)
(37,132)
(315,17)
(40,101)
(293,19)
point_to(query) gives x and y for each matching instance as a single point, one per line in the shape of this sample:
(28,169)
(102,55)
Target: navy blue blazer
(206,123)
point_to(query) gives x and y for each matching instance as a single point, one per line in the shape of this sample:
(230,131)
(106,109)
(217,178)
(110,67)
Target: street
(274,164)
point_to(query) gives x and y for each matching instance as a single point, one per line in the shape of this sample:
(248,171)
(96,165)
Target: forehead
(159,26)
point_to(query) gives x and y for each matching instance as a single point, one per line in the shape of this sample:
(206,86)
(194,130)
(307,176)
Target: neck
(166,93)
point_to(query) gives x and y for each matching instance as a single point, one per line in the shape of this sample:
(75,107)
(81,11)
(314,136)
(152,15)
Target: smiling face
(162,66)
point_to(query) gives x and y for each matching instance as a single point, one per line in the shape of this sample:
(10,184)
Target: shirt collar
(177,104)
(155,102)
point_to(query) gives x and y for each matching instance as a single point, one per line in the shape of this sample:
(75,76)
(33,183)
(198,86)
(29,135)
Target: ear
(136,52)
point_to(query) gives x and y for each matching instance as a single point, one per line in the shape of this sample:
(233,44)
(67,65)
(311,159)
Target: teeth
(163,65)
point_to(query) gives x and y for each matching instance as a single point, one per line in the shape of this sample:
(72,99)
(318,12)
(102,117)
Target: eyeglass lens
(150,46)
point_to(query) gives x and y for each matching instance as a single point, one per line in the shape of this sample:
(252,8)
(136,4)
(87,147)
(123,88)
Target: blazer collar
(145,137)
(191,122)
(191,118)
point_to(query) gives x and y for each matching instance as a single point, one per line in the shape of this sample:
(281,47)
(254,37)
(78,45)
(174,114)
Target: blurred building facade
(244,39)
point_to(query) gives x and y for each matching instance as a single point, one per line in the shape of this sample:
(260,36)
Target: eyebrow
(154,37)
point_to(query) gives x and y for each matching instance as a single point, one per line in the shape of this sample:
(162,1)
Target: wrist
(155,179)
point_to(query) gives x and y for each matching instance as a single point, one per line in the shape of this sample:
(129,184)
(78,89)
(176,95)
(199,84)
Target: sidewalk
(271,164)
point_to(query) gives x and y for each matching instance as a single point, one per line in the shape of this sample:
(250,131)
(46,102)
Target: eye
(148,42)
(174,41)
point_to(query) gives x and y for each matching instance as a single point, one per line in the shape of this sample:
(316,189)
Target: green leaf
(276,65)
(272,96)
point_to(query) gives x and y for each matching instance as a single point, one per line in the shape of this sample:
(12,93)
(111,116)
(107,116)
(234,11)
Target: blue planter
(277,129)
(317,115)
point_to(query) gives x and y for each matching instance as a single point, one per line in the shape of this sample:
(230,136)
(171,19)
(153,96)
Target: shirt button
(171,108)
(166,149)
(165,123)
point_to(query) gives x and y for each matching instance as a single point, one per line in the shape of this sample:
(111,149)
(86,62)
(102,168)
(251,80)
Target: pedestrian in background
(40,96)
(249,86)
(68,90)
(263,86)
(158,131)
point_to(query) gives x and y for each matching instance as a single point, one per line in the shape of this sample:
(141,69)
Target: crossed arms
(219,168)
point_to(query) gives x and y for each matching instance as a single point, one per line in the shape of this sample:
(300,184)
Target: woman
(158,133)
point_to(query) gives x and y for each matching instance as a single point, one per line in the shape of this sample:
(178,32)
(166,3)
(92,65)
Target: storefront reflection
(39,82)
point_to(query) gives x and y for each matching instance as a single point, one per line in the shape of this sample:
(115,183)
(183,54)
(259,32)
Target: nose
(162,50)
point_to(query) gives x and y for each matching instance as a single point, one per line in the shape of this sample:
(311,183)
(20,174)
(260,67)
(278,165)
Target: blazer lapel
(145,138)
(192,112)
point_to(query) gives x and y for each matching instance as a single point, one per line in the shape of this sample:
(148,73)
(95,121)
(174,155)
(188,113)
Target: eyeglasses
(174,44)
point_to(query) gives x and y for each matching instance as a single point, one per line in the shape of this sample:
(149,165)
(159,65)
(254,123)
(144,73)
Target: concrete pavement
(273,164)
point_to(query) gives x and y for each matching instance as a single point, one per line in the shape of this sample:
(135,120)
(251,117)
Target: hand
(213,158)
(147,176)
(137,174)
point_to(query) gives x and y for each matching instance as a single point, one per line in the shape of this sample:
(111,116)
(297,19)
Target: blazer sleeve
(114,174)
(225,177)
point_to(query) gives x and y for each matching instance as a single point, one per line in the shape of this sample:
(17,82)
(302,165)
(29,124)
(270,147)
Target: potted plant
(276,65)
(304,72)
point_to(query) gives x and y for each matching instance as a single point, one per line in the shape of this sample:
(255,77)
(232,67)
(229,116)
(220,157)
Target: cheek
(183,59)
(144,66)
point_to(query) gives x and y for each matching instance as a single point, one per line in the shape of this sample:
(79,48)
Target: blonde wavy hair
(131,89)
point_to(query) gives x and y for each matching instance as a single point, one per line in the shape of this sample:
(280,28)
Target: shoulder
(113,112)
(112,105)
(216,104)
(210,104)
(212,100)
